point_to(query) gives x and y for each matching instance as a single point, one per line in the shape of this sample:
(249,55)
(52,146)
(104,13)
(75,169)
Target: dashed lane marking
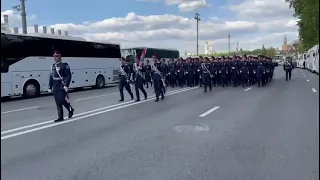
(314,90)
(209,111)
(247,89)
(81,99)
(19,110)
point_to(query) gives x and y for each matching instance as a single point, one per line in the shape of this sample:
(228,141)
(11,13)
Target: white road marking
(209,111)
(308,80)
(75,115)
(19,110)
(51,121)
(314,90)
(247,89)
(86,116)
(81,99)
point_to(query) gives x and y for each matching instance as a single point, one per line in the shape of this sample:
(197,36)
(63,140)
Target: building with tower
(286,48)
(208,49)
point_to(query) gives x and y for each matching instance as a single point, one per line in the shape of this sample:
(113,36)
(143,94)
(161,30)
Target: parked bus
(167,54)
(26,61)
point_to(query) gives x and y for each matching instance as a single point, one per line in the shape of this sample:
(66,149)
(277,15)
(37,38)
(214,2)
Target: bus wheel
(31,89)
(100,82)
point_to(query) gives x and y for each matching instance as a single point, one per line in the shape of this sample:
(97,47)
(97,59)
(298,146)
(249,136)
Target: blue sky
(252,22)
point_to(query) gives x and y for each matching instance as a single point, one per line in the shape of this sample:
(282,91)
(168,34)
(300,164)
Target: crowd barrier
(310,58)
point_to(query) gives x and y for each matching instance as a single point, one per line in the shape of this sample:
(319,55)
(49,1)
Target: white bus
(167,54)
(26,61)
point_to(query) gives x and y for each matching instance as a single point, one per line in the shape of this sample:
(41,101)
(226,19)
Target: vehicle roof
(62,37)
(150,48)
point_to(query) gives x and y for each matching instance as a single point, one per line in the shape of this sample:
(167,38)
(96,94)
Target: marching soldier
(206,68)
(260,73)
(172,73)
(198,73)
(288,67)
(138,69)
(234,72)
(180,72)
(189,73)
(148,74)
(244,72)
(251,71)
(59,81)
(164,72)
(219,67)
(213,71)
(224,72)
(158,80)
(124,79)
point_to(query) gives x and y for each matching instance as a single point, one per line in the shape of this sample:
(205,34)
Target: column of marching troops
(207,72)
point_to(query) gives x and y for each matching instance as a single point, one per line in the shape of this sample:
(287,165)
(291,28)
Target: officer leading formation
(59,81)
(207,72)
(288,67)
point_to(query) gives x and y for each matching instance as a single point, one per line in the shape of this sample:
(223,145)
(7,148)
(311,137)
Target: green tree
(307,11)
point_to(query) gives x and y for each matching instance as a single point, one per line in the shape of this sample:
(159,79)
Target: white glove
(65,88)
(49,90)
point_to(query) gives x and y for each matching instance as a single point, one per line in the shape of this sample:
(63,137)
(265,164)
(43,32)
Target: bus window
(4,66)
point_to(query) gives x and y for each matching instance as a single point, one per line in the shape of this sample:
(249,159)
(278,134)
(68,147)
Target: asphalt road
(230,133)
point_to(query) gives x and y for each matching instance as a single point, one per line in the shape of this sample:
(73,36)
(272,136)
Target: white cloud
(174,31)
(192,5)
(264,9)
(15,18)
(184,5)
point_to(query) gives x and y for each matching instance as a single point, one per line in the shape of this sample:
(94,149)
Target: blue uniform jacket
(55,82)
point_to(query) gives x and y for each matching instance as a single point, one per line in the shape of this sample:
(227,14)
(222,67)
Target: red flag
(143,54)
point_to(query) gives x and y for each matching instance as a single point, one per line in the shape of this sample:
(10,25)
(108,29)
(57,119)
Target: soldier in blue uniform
(171,73)
(138,70)
(148,74)
(59,81)
(158,79)
(124,79)
(260,73)
(288,67)
(206,77)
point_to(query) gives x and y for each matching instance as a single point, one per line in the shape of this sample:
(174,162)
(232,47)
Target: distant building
(5,25)
(206,48)
(286,48)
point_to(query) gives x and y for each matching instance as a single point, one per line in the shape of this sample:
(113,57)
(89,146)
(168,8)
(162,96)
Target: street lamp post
(197,18)
(229,43)
(22,7)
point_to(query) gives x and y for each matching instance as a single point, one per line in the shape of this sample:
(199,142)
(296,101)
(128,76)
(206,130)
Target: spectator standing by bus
(59,81)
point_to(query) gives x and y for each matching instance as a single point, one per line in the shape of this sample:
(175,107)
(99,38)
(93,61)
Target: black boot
(59,119)
(70,113)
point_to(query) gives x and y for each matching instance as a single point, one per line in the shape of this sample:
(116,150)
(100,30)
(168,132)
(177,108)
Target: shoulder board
(66,65)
